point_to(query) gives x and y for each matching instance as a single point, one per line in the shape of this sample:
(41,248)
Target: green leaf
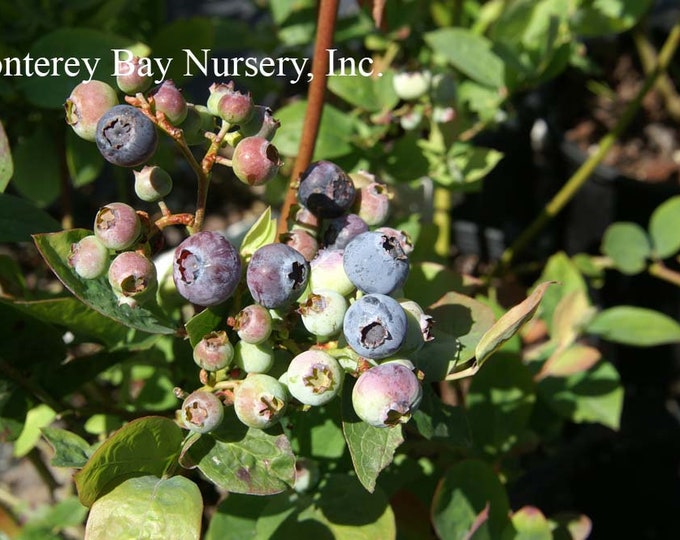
(36,419)
(341,509)
(468,164)
(204,322)
(96,293)
(573,359)
(335,131)
(261,233)
(51,92)
(236,517)
(46,526)
(195,34)
(84,161)
(70,450)
(77,317)
(318,433)
(429,281)
(627,244)
(571,526)
(595,395)
(371,448)
(371,94)
(19,219)
(146,507)
(561,269)
(469,53)
(604,17)
(664,228)
(463,318)
(406,162)
(436,420)
(149,445)
(244,460)
(14,405)
(509,324)
(6,163)
(631,325)
(36,168)
(469,490)
(528,523)
(499,403)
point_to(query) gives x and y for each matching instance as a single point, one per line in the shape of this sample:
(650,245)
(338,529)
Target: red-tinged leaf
(569,361)
(528,523)
(509,324)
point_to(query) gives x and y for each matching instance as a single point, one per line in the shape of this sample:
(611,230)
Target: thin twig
(327,15)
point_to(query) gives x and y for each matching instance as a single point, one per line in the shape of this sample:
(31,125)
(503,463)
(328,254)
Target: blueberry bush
(326,371)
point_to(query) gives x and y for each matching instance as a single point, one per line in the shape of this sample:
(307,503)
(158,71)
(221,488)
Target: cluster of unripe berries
(337,294)
(127,135)
(322,304)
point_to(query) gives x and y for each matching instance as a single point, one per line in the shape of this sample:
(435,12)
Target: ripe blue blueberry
(375,326)
(125,136)
(376,263)
(387,395)
(326,190)
(277,275)
(314,377)
(206,268)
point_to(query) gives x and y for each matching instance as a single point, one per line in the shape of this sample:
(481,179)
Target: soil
(649,150)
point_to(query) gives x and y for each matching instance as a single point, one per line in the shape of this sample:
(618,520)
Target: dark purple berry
(376,263)
(206,268)
(387,395)
(169,100)
(201,412)
(375,326)
(125,136)
(86,105)
(89,257)
(255,161)
(277,274)
(117,226)
(341,230)
(326,189)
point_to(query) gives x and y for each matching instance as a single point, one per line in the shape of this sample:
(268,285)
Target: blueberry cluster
(323,303)
(207,267)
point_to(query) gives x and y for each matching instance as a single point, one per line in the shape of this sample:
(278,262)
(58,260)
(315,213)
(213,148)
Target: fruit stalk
(327,15)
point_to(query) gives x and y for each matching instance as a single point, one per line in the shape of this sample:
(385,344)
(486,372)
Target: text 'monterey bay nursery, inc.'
(193,63)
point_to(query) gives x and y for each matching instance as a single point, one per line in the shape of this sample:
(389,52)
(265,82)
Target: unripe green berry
(323,313)
(152,183)
(254,357)
(314,377)
(89,257)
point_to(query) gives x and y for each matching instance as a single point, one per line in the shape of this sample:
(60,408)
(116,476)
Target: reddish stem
(327,14)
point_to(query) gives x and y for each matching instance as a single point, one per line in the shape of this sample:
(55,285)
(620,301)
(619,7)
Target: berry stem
(326,17)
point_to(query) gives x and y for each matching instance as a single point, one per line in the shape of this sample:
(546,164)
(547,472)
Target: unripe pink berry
(86,105)
(117,226)
(89,257)
(130,80)
(255,161)
(169,100)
